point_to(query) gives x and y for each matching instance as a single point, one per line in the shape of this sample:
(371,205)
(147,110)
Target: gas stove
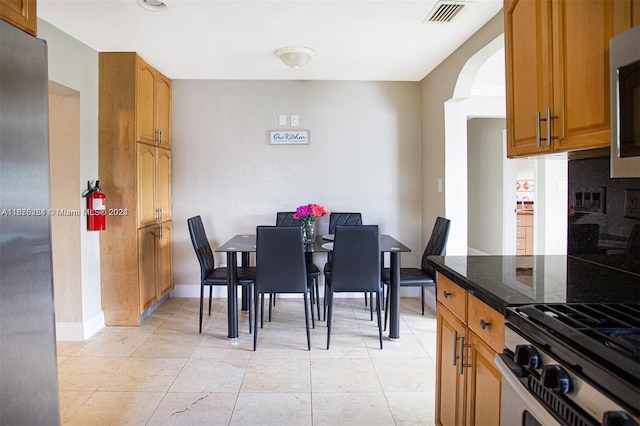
(580,361)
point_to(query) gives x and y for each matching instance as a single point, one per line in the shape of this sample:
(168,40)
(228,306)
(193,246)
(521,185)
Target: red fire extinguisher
(96,207)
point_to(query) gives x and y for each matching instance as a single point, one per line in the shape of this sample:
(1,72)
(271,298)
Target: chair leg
(306,320)
(313,320)
(422,299)
(365,298)
(248,293)
(274,303)
(316,282)
(210,294)
(329,305)
(201,301)
(379,304)
(262,309)
(256,298)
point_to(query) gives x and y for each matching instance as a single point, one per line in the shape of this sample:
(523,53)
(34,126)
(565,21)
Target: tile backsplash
(597,222)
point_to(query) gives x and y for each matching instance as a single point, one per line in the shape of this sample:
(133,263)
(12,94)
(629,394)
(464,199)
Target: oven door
(518,406)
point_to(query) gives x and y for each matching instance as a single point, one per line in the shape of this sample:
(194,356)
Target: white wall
(75,65)
(485,182)
(364,156)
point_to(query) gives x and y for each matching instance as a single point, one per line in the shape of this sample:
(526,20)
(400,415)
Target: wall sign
(289,137)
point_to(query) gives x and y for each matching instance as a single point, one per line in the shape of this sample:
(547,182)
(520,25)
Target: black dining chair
(280,268)
(339,219)
(209,274)
(356,267)
(313,272)
(425,276)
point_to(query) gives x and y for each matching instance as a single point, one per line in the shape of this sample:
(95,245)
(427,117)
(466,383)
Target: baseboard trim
(79,332)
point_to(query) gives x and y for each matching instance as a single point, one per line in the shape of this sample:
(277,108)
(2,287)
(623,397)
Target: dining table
(245,244)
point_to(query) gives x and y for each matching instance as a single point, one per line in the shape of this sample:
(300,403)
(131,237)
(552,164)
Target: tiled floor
(165,373)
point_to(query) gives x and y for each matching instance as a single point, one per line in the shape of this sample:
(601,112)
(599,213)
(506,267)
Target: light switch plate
(295,120)
(282,120)
(632,203)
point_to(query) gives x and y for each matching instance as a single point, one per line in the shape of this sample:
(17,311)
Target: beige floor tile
(194,409)
(113,344)
(116,408)
(168,345)
(405,374)
(166,371)
(272,409)
(344,375)
(86,373)
(412,408)
(277,375)
(351,409)
(145,374)
(210,375)
(70,401)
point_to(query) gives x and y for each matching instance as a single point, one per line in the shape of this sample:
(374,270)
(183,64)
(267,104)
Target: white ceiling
(236,40)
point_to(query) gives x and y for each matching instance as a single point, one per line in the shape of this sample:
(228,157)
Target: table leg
(394,294)
(245,296)
(232,295)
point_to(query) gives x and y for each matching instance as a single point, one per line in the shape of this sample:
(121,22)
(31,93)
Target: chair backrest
(437,243)
(356,258)
(280,263)
(287,219)
(337,219)
(633,243)
(201,245)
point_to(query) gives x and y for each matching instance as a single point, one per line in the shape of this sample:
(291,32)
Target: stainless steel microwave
(624,60)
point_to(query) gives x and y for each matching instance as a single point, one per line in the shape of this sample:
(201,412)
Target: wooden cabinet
(153,106)
(557,73)
(154,184)
(469,334)
(135,249)
(154,263)
(524,234)
(20,14)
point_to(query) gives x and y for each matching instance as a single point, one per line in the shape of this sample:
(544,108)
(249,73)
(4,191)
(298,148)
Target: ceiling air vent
(444,11)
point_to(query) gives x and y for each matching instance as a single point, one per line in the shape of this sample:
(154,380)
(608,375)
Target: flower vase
(309,232)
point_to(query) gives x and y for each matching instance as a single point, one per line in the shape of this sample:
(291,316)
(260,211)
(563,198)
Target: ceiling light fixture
(153,5)
(295,56)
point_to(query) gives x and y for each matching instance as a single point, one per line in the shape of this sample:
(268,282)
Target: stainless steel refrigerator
(28,363)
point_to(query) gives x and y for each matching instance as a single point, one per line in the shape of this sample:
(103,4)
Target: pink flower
(309,212)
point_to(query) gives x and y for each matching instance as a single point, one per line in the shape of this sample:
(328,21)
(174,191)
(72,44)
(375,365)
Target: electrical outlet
(632,203)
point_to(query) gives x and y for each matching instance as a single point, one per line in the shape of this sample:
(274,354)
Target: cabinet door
(484,382)
(146,165)
(20,13)
(449,382)
(145,103)
(163,110)
(582,30)
(165,272)
(527,40)
(163,183)
(147,266)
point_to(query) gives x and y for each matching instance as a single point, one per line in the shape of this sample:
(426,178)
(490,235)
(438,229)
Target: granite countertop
(502,281)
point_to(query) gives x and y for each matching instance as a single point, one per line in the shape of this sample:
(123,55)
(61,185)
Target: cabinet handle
(446,294)
(159,137)
(484,325)
(538,120)
(160,213)
(160,232)
(462,364)
(548,120)
(455,341)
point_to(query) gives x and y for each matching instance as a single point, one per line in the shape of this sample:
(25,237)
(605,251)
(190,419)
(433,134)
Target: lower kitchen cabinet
(154,263)
(469,334)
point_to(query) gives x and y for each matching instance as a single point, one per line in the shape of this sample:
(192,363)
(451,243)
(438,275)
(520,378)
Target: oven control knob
(526,356)
(618,418)
(556,378)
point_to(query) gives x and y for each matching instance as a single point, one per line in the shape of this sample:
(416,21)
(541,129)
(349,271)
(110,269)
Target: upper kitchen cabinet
(20,13)
(557,73)
(153,107)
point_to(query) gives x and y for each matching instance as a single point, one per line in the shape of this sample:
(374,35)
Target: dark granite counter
(502,281)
